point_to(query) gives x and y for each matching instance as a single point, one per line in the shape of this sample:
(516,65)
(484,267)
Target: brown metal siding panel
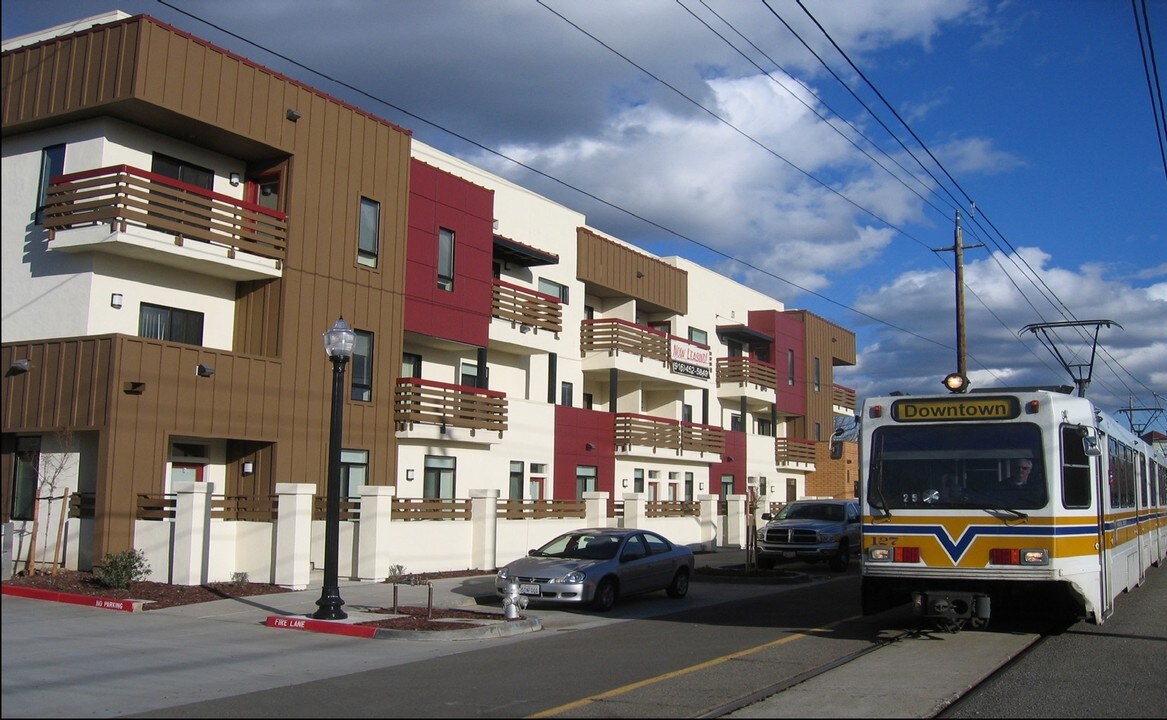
(627,272)
(68,74)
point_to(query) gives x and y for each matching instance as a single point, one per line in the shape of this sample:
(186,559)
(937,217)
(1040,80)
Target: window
(446,259)
(469,375)
(554,289)
(638,480)
(1076,491)
(585,480)
(686,413)
(410,365)
(52,164)
(362,388)
(726,486)
(165,323)
(735,423)
(565,394)
(440,475)
(700,336)
(354,471)
(516,480)
(790,367)
(588,401)
(818,431)
(25,476)
(765,427)
(369,240)
(689,486)
(182,171)
(818,376)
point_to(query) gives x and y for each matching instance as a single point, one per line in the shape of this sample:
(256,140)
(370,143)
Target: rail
(122,196)
(525,307)
(540,509)
(428,402)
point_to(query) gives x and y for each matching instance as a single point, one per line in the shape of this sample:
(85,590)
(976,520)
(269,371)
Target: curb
(63,597)
(504,628)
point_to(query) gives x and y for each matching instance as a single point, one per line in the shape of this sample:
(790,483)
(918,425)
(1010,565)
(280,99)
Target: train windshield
(957,466)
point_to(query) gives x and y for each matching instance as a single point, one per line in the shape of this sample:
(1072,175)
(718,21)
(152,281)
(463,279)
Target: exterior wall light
(115,301)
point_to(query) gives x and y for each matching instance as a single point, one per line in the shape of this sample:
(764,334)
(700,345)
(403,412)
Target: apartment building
(181,225)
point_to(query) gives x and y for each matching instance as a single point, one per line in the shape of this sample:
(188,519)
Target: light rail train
(949,527)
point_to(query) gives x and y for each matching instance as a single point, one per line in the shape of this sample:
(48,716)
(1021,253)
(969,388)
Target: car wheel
(605,596)
(679,587)
(842,559)
(765,563)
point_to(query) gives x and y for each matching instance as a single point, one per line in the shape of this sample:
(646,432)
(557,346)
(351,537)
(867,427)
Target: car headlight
(573,577)
(502,573)
(827,537)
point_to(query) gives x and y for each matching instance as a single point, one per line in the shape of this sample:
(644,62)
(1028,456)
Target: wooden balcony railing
(661,433)
(792,450)
(430,509)
(614,336)
(436,403)
(121,196)
(525,307)
(540,509)
(843,396)
(746,371)
(672,508)
(231,507)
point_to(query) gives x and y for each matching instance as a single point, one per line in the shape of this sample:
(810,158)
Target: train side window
(1075,470)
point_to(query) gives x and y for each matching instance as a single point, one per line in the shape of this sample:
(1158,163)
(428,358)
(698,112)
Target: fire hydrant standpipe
(513,602)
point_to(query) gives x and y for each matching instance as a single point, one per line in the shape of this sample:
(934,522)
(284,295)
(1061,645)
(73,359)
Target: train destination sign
(955,409)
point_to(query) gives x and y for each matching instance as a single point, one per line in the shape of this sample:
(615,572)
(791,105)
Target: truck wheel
(765,563)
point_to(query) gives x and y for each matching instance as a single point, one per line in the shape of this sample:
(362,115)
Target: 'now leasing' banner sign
(689,359)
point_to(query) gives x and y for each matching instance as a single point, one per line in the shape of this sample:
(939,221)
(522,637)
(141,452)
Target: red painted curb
(322,626)
(55,596)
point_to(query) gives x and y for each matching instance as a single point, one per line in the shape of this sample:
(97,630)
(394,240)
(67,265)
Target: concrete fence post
(634,510)
(708,520)
(192,532)
(373,532)
(484,533)
(595,509)
(293,564)
(735,521)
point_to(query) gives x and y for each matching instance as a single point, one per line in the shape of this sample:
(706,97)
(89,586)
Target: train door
(1143,516)
(1102,492)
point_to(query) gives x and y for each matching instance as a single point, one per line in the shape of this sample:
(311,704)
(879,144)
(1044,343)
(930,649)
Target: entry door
(264,191)
(186,472)
(535,488)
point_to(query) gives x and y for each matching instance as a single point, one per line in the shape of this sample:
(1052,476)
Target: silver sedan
(596,566)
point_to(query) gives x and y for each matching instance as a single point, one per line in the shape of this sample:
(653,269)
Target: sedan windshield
(583,546)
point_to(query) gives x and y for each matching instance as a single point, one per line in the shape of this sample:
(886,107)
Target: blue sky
(707,128)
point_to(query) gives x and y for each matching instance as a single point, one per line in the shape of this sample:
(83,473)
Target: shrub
(118,570)
(240,577)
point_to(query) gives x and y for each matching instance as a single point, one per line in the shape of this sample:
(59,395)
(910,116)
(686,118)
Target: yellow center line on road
(551,712)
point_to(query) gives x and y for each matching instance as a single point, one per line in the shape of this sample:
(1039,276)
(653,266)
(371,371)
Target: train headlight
(879,554)
(955,382)
(1035,557)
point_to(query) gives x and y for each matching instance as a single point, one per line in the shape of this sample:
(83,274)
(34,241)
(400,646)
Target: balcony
(644,434)
(843,400)
(611,343)
(156,219)
(739,377)
(535,319)
(793,451)
(430,410)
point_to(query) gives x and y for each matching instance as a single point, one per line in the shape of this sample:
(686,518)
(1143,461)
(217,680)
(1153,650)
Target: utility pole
(958,247)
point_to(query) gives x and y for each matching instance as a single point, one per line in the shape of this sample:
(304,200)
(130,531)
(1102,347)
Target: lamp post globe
(338,343)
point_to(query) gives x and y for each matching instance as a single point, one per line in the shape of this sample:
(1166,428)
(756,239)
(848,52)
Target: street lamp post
(338,343)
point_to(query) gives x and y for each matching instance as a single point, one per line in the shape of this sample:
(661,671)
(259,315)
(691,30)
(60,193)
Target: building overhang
(744,335)
(517,253)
